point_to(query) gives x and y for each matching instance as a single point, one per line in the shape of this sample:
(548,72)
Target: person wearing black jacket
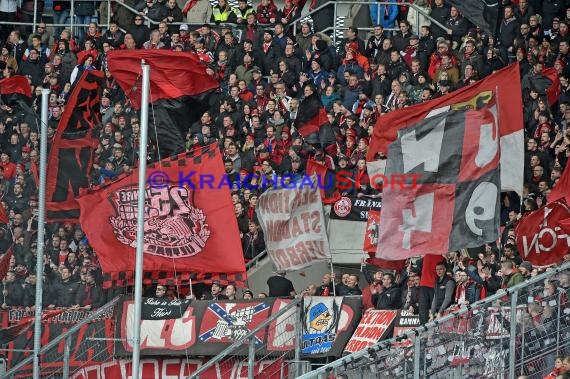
(12,291)
(389,297)
(443,291)
(89,295)
(64,291)
(30,293)
(253,242)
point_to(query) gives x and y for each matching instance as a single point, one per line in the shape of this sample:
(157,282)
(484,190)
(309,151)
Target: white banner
(294,226)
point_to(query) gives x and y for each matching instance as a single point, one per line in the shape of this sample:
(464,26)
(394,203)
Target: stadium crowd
(265,70)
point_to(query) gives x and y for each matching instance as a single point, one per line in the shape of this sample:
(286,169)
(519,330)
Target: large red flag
(327,181)
(562,188)
(16,84)
(540,235)
(506,84)
(172,74)
(179,89)
(71,152)
(191,231)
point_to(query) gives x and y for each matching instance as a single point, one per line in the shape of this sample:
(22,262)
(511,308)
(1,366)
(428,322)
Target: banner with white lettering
(352,208)
(205,328)
(162,309)
(374,326)
(163,368)
(328,323)
(540,239)
(405,321)
(454,202)
(294,226)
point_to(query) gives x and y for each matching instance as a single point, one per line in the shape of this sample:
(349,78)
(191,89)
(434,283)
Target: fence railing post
(417,354)
(251,358)
(66,357)
(298,340)
(558,315)
(513,333)
(523,331)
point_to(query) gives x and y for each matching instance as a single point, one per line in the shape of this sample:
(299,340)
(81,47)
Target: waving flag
(190,229)
(71,153)
(455,203)
(179,86)
(505,84)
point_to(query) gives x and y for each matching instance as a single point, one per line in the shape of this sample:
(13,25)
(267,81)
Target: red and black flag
(71,153)
(179,91)
(326,179)
(455,202)
(12,332)
(190,229)
(312,122)
(15,90)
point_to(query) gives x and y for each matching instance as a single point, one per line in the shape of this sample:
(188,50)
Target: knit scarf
(189,5)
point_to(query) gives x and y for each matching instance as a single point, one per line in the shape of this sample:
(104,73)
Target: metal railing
(255,260)
(295,24)
(335,29)
(248,349)
(52,347)
(517,331)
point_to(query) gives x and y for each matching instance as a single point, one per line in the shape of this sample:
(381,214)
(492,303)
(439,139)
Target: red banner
(71,152)
(190,226)
(540,239)
(57,322)
(371,236)
(373,327)
(162,368)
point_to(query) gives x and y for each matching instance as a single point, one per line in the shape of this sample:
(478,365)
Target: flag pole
(41,232)
(140,219)
(332,277)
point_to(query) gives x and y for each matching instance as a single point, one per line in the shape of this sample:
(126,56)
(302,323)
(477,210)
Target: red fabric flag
(190,226)
(5,263)
(562,188)
(172,74)
(71,153)
(540,238)
(18,84)
(505,83)
(179,90)
(326,180)
(3,217)
(553,91)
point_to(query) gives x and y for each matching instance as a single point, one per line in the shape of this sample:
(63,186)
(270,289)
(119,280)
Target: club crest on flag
(173,228)
(232,321)
(343,207)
